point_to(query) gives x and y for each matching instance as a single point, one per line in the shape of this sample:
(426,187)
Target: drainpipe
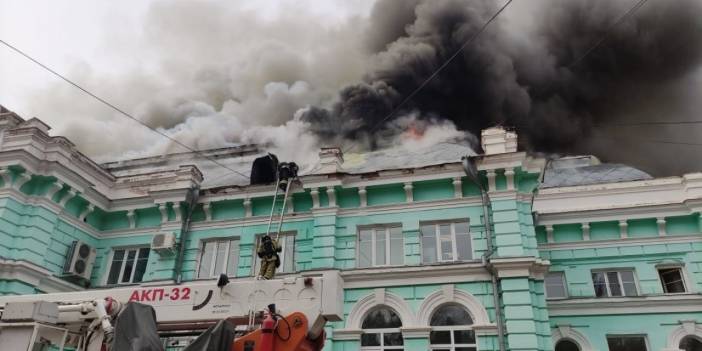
(471,171)
(191,200)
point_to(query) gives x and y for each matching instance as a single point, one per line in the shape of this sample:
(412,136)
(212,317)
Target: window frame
(126,249)
(374,229)
(619,277)
(451,329)
(256,267)
(382,332)
(213,264)
(683,277)
(644,336)
(565,286)
(437,241)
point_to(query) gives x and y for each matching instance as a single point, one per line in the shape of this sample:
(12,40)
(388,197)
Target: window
(626,343)
(451,329)
(690,343)
(672,280)
(614,283)
(566,345)
(287,253)
(220,256)
(380,246)
(445,242)
(381,331)
(555,285)
(128,265)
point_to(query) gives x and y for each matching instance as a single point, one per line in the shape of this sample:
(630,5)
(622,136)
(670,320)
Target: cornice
(669,239)
(424,274)
(36,276)
(511,267)
(683,303)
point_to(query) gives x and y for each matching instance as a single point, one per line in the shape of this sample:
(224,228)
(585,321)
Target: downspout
(191,200)
(471,171)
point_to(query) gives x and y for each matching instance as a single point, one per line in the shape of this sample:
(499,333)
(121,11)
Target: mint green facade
(42,213)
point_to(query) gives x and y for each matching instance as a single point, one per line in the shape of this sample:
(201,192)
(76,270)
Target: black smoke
(538,81)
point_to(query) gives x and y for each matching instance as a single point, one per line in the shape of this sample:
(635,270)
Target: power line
(608,31)
(436,72)
(653,141)
(654,123)
(117,108)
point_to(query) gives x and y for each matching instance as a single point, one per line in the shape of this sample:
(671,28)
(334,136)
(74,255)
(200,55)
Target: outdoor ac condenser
(80,260)
(163,243)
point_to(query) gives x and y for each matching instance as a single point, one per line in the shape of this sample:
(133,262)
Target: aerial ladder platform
(66,320)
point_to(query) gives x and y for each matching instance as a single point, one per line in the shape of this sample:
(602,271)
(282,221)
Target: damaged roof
(586,170)
(240,159)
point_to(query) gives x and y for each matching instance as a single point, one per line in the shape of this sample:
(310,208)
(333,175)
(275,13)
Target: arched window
(451,329)
(690,343)
(381,330)
(567,345)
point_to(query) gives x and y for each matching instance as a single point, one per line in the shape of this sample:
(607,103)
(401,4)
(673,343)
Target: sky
(218,73)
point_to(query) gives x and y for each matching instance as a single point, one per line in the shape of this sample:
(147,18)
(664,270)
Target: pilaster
(457,188)
(363,196)
(324,238)
(409,194)
(660,222)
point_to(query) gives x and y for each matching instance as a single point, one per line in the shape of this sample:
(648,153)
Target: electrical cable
(119,110)
(436,72)
(655,123)
(289,328)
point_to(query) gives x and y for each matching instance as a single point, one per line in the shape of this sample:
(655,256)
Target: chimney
(330,160)
(497,140)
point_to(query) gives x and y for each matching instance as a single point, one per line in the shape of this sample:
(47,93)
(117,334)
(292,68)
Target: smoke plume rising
(221,75)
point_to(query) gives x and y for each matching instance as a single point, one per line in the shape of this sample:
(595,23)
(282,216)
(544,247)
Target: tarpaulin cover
(217,338)
(135,329)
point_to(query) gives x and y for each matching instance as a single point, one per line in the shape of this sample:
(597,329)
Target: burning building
(438,248)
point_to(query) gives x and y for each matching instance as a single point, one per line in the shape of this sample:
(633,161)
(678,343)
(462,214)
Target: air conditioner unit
(80,260)
(163,243)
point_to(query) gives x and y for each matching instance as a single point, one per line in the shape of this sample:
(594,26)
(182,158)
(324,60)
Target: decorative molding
(346,334)
(623,229)
(660,222)
(315,197)
(491,180)
(364,305)
(449,294)
(409,194)
(415,332)
(22,179)
(531,267)
(457,188)
(176,210)
(331,196)
(585,227)
(131,218)
(6,177)
(207,208)
(163,208)
(248,210)
(68,196)
(34,275)
(549,233)
(88,210)
(54,188)
(363,196)
(509,174)
(565,332)
(626,305)
(409,275)
(622,242)
(686,328)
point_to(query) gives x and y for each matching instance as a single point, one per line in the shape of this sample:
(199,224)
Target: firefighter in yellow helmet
(268,253)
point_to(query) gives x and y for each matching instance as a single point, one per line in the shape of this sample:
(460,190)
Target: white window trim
(619,277)
(213,264)
(257,261)
(683,275)
(111,257)
(644,336)
(374,229)
(437,236)
(565,286)
(382,346)
(453,345)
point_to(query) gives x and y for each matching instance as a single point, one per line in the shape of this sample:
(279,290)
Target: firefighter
(268,253)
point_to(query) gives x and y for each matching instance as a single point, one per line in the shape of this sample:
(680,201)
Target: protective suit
(268,253)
